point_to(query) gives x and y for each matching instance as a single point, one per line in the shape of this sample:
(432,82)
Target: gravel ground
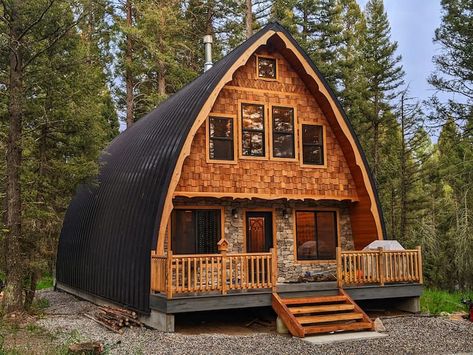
(409,334)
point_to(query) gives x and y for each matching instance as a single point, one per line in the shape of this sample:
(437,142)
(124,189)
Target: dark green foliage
(454,64)
(73,87)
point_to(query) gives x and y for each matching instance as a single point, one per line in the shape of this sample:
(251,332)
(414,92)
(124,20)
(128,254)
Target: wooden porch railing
(379,266)
(173,274)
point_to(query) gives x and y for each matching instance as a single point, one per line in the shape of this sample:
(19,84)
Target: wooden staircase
(324,314)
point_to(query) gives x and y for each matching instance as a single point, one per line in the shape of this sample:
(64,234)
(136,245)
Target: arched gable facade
(111,227)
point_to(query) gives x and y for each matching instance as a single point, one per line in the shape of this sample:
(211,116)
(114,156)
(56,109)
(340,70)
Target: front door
(259,232)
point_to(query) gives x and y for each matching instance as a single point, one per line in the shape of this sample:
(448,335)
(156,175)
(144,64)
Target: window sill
(215,161)
(316,261)
(314,166)
(246,157)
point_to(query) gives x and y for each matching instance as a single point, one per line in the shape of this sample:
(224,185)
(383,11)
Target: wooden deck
(263,297)
(173,276)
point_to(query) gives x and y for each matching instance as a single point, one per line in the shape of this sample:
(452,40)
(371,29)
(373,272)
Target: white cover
(385,244)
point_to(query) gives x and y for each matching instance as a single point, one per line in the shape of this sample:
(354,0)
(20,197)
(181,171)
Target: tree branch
(38,20)
(54,41)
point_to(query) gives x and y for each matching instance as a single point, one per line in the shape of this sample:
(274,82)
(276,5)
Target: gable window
(221,138)
(252,130)
(267,68)
(312,144)
(316,235)
(283,132)
(195,231)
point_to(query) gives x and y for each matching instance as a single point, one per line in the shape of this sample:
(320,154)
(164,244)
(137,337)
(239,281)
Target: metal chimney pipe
(208,52)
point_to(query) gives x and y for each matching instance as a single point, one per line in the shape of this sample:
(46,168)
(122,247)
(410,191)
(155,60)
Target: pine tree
(454,65)
(353,85)
(321,26)
(56,130)
(384,75)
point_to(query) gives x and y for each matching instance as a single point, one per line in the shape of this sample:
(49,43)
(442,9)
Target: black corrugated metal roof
(108,231)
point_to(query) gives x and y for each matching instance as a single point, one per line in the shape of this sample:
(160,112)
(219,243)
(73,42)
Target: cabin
(247,188)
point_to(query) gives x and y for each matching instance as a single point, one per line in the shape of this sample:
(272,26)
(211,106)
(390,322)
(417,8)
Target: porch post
(224,272)
(381,265)
(419,256)
(169,274)
(274,267)
(339,267)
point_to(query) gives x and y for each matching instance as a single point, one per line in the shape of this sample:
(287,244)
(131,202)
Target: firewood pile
(115,319)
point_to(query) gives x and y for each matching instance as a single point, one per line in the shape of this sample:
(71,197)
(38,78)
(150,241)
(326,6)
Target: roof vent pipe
(208,52)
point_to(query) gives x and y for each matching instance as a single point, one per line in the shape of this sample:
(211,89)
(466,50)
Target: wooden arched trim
(360,171)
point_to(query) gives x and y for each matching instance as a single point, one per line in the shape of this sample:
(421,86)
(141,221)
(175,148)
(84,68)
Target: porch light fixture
(285,214)
(234,213)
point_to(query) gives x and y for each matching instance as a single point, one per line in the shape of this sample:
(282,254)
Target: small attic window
(267,68)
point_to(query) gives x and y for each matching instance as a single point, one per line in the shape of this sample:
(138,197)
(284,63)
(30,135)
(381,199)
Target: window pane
(253,144)
(283,119)
(221,138)
(283,145)
(312,134)
(195,231)
(326,235)
(253,130)
(305,238)
(221,149)
(256,143)
(221,127)
(267,68)
(312,154)
(252,116)
(183,232)
(208,231)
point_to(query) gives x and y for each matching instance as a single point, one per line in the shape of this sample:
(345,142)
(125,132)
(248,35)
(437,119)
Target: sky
(413,23)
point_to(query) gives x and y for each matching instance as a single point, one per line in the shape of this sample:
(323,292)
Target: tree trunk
(248,18)
(161,79)
(13,293)
(130,119)
(30,292)
(375,150)
(403,173)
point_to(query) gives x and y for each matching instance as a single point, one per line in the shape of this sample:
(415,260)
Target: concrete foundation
(159,321)
(281,327)
(411,305)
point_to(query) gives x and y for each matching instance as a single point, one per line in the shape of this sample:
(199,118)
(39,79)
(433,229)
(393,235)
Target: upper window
(316,235)
(283,132)
(267,68)
(221,138)
(252,130)
(195,231)
(312,144)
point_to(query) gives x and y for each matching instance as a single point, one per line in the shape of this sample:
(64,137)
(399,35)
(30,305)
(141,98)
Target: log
(109,327)
(93,347)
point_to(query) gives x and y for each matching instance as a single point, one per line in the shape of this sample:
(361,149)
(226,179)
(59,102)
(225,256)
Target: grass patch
(45,282)
(437,301)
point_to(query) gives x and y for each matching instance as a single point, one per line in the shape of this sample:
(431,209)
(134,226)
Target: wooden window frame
(324,144)
(265,133)
(207,139)
(296,133)
(190,207)
(258,56)
(315,209)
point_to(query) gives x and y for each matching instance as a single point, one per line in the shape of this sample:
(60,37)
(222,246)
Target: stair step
(314,300)
(322,309)
(329,318)
(316,329)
